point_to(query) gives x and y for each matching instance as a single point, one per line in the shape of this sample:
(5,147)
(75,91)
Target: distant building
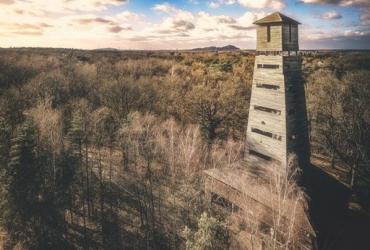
(277,122)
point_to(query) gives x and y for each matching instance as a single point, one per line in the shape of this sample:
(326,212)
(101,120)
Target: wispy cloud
(117,29)
(330,15)
(256,4)
(86,21)
(363,5)
(7,1)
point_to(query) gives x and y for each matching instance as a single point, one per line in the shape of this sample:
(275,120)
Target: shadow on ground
(337,227)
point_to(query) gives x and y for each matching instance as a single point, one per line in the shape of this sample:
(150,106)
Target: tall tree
(33,212)
(355,124)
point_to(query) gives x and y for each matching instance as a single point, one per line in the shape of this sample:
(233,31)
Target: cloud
(173,25)
(214,5)
(183,25)
(19,12)
(178,20)
(28,33)
(45,25)
(248,18)
(24,26)
(339,2)
(113,25)
(226,19)
(24,29)
(128,16)
(239,27)
(363,5)
(87,21)
(274,4)
(165,8)
(335,34)
(70,24)
(330,15)
(117,29)
(7,1)
(44,7)
(256,4)
(365,17)
(89,5)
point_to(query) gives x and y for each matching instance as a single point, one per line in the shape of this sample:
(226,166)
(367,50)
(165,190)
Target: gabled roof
(276,17)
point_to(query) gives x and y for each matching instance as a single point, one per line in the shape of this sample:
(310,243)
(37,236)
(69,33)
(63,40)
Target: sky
(177,24)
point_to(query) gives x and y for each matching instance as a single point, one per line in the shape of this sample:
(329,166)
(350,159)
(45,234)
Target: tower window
(260,155)
(268,33)
(267,134)
(267,66)
(269,110)
(261,132)
(267,86)
(290,32)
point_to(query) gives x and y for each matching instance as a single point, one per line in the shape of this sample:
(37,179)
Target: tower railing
(279,53)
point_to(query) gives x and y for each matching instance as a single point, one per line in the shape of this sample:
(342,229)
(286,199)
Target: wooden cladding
(268,110)
(267,86)
(267,134)
(277,37)
(267,66)
(260,155)
(269,37)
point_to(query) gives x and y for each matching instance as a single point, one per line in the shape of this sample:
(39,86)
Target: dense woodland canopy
(105,149)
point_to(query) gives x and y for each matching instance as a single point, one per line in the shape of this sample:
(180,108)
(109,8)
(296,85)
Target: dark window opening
(267,86)
(268,33)
(290,32)
(260,155)
(267,134)
(269,110)
(263,123)
(267,66)
(261,132)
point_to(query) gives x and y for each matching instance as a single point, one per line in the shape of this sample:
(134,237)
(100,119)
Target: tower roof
(276,17)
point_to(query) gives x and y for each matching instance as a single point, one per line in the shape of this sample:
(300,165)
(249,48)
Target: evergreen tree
(22,186)
(5,133)
(33,209)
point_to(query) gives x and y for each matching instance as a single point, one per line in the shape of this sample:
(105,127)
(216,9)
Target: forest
(106,149)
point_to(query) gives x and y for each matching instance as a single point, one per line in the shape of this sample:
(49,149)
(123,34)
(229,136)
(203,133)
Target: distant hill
(106,49)
(213,48)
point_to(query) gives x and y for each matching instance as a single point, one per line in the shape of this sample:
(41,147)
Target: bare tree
(49,123)
(273,210)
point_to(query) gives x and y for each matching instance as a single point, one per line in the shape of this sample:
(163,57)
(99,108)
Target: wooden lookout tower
(277,127)
(277,123)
